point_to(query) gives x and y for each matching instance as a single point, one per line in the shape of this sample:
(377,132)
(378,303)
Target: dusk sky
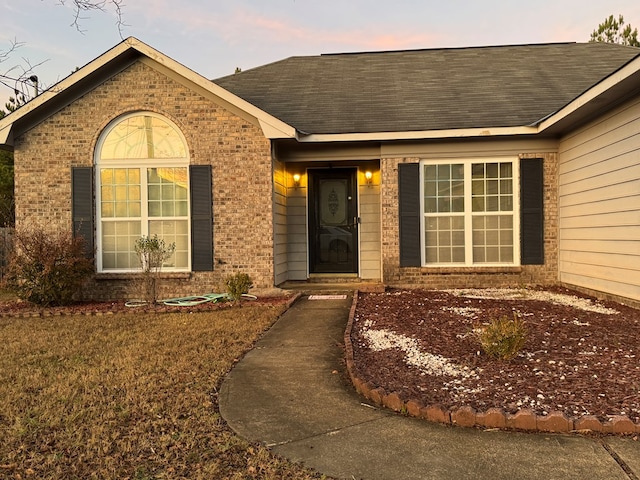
(213,38)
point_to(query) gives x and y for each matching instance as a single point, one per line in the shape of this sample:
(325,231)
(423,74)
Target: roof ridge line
(472,47)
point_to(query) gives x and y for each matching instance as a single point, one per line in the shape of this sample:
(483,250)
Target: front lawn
(127,396)
(6,296)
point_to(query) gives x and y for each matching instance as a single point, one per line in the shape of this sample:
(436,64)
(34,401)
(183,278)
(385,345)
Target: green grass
(127,396)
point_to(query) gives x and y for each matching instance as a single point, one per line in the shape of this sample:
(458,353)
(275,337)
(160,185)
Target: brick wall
(237,150)
(468,277)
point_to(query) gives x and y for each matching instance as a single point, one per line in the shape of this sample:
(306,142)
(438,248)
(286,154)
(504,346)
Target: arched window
(142,181)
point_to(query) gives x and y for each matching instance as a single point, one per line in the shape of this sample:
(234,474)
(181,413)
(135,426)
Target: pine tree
(613,30)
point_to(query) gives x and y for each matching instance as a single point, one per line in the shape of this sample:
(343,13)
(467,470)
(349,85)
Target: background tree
(7,211)
(613,30)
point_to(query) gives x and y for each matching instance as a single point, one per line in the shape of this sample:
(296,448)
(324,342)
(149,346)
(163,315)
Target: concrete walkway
(290,393)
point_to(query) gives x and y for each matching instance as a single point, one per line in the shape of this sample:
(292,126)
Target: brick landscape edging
(465,416)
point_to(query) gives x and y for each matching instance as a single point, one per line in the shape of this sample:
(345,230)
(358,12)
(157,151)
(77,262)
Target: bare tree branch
(21,78)
(81,6)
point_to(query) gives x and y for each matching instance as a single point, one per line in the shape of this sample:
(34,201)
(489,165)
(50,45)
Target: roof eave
(603,95)
(7,124)
(271,126)
(419,135)
(6,136)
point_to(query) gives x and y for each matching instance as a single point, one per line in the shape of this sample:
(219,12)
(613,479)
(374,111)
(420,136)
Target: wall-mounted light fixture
(296,180)
(368,176)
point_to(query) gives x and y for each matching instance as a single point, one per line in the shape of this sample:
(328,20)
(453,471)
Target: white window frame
(143,165)
(469,214)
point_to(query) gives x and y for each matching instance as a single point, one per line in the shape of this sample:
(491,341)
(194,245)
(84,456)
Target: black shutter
(531,211)
(82,206)
(201,218)
(409,203)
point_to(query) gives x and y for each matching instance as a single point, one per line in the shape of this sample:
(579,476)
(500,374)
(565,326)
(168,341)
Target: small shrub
(504,337)
(237,285)
(153,252)
(47,268)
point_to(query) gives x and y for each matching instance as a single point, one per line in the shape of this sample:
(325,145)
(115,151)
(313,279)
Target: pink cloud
(284,32)
(238,26)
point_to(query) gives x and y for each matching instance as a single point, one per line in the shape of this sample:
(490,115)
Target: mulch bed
(575,361)
(26,309)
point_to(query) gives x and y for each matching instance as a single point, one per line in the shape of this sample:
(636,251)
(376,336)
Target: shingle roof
(434,89)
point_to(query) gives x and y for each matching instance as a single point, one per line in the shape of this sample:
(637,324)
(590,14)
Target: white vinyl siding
(280,223)
(297,251)
(370,227)
(599,204)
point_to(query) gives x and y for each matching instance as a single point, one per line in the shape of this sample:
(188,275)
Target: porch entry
(333,221)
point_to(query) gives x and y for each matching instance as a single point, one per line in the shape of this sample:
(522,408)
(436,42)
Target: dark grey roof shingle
(427,89)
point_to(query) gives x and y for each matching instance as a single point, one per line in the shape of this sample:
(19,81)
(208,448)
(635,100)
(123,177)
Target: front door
(333,221)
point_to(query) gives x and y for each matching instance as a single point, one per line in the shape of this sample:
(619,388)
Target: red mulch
(574,361)
(106,308)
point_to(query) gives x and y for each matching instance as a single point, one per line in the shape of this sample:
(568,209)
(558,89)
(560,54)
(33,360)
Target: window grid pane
(118,244)
(119,192)
(444,188)
(167,192)
(173,232)
(492,187)
(487,187)
(445,241)
(492,239)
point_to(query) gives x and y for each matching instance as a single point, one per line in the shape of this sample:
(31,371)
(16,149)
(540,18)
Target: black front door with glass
(333,221)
